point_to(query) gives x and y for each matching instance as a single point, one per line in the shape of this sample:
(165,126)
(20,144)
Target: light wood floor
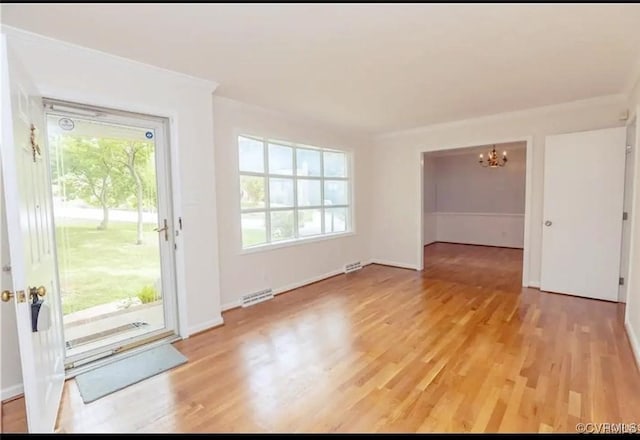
(458,347)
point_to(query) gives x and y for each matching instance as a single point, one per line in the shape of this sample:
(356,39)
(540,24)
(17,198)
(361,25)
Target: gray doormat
(120,374)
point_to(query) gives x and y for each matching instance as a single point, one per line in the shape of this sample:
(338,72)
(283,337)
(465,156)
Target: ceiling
(368,67)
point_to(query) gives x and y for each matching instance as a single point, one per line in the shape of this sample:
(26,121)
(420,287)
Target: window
(291,192)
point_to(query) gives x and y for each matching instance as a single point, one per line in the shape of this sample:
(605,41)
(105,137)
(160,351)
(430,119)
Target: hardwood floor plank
(458,347)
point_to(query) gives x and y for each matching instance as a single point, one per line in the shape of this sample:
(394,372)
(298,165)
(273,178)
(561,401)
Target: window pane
(335,164)
(309,222)
(254,229)
(335,192)
(308,162)
(280,159)
(282,225)
(280,193)
(335,220)
(309,193)
(251,155)
(251,192)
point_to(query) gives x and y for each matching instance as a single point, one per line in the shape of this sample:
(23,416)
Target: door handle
(164,229)
(37,291)
(548,223)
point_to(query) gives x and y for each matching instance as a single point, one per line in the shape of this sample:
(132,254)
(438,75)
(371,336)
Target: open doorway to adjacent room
(474,201)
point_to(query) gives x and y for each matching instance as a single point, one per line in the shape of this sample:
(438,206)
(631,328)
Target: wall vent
(352,267)
(257,297)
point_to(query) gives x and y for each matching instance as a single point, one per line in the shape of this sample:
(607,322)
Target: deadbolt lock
(7,295)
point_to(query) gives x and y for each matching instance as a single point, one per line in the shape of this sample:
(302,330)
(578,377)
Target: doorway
(110,174)
(470,203)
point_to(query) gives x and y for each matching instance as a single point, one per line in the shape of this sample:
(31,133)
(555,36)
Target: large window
(291,192)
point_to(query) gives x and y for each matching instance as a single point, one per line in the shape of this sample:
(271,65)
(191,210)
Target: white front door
(582,218)
(25,170)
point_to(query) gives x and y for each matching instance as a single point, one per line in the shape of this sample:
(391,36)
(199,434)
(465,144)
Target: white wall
(83,75)
(396,166)
(462,185)
(287,267)
(476,205)
(632,315)
(487,229)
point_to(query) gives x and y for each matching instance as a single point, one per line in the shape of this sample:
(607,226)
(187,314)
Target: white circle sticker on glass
(66,124)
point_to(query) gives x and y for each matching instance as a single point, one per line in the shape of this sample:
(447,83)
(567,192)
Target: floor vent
(257,297)
(352,267)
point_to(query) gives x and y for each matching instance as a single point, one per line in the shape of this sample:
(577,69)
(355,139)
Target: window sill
(285,244)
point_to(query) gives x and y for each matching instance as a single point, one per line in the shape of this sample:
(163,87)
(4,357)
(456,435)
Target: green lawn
(98,267)
(253,236)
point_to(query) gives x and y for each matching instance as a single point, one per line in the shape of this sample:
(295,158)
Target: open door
(27,189)
(583,202)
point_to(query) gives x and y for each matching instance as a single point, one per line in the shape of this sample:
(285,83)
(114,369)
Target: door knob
(548,223)
(37,291)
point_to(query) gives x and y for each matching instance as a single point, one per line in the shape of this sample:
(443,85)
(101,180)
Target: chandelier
(492,159)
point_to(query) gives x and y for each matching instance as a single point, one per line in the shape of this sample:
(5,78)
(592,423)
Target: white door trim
(628,224)
(527,198)
(635,224)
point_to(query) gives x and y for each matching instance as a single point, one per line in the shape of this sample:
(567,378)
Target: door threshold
(121,352)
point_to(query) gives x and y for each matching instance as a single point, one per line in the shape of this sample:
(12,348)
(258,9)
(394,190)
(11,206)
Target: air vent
(257,297)
(352,267)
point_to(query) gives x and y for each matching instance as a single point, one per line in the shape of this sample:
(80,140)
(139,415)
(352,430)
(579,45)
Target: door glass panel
(105,201)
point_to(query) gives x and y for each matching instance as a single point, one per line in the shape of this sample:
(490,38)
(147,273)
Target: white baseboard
(231,305)
(534,284)
(206,325)
(11,392)
(635,343)
(308,281)
(297,285)
(394,264)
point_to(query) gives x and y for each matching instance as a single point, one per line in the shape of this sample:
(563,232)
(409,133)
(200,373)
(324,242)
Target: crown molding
(618,98)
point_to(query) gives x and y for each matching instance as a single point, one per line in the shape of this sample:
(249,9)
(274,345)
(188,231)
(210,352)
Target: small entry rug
(120,374)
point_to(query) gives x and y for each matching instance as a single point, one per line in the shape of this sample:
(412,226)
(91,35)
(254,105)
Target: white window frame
(267,210)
